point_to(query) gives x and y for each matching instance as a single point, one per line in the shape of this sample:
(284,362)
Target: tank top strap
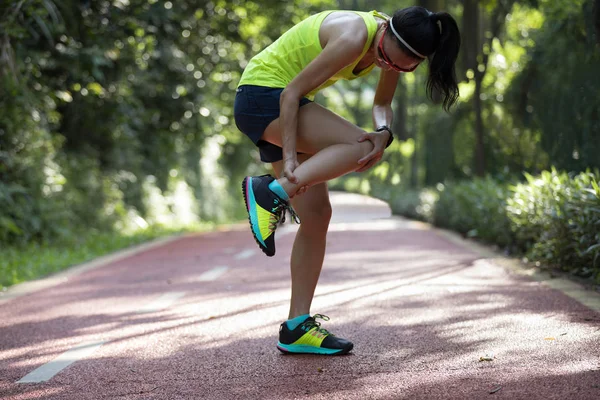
(380,15)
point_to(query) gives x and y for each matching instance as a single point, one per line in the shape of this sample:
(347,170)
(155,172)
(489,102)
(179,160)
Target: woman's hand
(379,140)
(290,164)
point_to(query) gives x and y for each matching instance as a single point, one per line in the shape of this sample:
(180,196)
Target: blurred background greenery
(116,125)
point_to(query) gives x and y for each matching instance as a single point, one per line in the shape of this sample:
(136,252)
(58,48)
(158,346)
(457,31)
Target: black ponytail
(436,37)
(442,72)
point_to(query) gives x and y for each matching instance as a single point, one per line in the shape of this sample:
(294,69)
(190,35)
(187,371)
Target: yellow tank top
(281,61)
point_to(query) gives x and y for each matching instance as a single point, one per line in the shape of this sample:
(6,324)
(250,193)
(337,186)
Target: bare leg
(331,140)
(314,210)
(331,148)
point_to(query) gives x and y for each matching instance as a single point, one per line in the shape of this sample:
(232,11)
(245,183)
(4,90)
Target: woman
(308,145)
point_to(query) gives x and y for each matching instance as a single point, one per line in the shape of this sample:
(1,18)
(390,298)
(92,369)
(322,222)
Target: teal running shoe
(265,211)
(310,338)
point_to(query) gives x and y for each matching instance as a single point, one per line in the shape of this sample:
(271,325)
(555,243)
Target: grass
(35,260)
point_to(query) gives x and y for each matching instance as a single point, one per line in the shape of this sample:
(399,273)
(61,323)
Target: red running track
(197,318)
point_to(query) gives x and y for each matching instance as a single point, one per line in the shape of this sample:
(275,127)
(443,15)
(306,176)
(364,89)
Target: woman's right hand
(290,163)
(289,166)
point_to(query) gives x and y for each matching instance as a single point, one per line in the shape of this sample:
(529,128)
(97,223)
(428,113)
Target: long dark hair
(436,37)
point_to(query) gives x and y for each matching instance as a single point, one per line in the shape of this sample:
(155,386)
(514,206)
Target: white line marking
(245,254)
(213,274)
(48,370)
(162,302)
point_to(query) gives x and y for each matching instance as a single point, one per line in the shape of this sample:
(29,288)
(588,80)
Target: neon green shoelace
(278,215)
(313,323)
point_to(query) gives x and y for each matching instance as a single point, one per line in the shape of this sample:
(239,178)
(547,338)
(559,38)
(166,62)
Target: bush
(476,209)
(556,219)
(553,218)
(415,204)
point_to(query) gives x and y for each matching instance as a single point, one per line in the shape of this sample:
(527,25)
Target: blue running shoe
(310,338)
(265,211)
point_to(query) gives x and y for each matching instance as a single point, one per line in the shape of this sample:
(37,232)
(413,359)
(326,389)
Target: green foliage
(19,263)
(552,218)
(99,98)
(415,204)
(14,204)
(476,208)
(561,100)
(556,219)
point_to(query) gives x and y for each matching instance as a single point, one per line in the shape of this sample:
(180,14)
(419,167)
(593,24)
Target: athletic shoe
(310,338)
(265,211)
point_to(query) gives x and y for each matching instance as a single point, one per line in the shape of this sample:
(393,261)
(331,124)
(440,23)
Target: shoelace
(310,323)
(279,215)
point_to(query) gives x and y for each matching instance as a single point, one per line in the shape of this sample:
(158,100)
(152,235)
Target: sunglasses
(384,57)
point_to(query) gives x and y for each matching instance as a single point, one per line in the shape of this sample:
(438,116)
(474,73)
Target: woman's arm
(382,115)
(382,104)
(340,50)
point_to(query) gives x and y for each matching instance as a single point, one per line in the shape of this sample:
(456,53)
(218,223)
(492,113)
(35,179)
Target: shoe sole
(245,183)
(303,349)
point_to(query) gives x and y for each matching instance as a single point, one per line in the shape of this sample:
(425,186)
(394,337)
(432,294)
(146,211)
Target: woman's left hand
(379,140)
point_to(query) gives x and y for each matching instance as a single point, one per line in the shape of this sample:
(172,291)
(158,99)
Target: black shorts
(254,109)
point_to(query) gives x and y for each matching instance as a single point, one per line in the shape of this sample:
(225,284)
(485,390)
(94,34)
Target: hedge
(553,218)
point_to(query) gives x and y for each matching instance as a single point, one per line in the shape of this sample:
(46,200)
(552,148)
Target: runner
(308,145)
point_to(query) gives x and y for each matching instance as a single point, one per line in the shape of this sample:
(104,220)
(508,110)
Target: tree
(597,19)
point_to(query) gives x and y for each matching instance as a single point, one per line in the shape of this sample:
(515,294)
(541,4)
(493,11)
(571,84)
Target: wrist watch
(386,128)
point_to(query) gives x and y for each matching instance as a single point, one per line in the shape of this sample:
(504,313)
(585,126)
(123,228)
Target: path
(197,318)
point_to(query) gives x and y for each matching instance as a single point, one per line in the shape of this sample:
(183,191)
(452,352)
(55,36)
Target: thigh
(318,128)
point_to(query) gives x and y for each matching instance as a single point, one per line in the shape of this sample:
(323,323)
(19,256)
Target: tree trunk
(399,122)
(479,128)
(472,48)
(597,19)
(470,45)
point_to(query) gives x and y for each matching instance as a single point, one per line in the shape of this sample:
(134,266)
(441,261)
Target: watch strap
(386,128)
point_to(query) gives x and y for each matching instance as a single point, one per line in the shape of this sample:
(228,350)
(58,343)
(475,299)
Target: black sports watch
(386,128)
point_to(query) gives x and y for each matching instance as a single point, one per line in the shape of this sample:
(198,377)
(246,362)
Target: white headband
(404,41)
